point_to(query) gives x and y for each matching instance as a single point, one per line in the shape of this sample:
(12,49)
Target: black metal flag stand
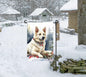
(54,62)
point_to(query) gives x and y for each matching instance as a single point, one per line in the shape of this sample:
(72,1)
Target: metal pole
(56,22)
(55,57)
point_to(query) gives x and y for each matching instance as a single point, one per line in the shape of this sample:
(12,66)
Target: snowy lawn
(68,47)
(13,60)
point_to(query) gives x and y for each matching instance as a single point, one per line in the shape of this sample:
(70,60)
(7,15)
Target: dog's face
(40,36)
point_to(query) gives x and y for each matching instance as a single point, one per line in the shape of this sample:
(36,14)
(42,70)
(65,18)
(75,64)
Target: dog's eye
(39,33)
(43,34)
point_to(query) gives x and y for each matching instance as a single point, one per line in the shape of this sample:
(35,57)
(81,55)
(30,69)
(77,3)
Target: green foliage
(73,66)
(53,64)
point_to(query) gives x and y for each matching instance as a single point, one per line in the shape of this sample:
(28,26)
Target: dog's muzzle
(43,38)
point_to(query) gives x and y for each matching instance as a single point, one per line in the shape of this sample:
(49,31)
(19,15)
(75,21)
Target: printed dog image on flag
(36,43)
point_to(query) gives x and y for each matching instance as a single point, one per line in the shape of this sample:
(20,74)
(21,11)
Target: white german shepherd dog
(37,44)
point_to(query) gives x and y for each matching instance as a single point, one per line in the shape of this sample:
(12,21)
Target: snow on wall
(71,5)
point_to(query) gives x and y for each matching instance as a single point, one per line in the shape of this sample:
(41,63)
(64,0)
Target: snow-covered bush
(8,24)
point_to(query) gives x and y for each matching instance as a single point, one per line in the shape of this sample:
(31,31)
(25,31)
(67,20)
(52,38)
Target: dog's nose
(43,38)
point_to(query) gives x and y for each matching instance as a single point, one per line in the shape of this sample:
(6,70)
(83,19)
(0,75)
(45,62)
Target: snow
(13,54)
(38,11)
(10,10)
(2,19)
(63,23)
(13,60)
(68,47)
(68,44)
(5,9)
(71,5)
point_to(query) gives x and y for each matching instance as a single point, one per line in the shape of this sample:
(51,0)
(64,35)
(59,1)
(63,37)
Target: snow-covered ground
(68,47)
(13,54)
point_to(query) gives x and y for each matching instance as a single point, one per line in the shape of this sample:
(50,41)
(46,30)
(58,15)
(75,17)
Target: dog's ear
(36,29)
(44,29)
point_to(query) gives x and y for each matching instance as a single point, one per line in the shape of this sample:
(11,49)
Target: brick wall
(73,20)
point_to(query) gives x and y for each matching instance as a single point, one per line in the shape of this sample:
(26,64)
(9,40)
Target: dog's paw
(40,55)
(49,52)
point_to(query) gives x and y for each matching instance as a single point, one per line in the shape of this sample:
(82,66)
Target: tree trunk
(82,22)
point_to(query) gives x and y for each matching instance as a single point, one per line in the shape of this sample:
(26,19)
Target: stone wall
(73,20)
(82,22)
